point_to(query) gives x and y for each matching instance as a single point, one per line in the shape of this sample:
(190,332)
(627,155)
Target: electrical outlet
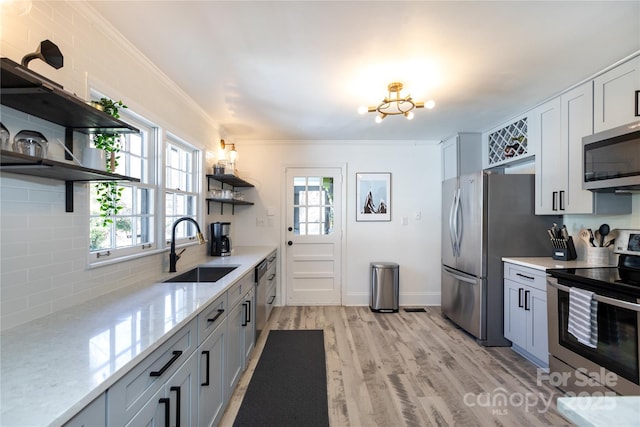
(417,216)
(259,222)
(404,220)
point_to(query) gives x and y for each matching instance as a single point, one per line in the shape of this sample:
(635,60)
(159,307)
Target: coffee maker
(220,241)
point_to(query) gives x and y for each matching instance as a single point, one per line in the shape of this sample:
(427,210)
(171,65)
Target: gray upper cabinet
(614,96)
(461,155)
(556,130)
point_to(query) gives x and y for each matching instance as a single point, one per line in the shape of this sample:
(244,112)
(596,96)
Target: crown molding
(98,21)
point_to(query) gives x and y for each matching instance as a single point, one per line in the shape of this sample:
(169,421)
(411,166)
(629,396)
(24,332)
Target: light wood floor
(413,369)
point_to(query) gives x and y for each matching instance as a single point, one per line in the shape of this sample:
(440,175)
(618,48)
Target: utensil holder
(598,256)
(563,249)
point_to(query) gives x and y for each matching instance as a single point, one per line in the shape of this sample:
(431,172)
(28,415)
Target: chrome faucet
(173,257)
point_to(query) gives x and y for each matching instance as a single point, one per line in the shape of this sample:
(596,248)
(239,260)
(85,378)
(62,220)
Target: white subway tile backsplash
(12,306)
(44,260)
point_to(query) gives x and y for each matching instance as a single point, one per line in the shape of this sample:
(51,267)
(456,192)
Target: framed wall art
(373,196)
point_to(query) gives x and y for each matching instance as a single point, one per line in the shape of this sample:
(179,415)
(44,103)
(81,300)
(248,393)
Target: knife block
(563,249)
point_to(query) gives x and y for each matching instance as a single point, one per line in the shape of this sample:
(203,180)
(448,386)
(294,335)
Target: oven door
(614,362)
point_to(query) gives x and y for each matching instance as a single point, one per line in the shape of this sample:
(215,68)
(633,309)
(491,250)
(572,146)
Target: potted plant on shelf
(109,193)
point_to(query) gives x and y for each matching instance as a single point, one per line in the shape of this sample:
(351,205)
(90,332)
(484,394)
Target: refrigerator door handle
(452,232)
(457,226)
(458,276)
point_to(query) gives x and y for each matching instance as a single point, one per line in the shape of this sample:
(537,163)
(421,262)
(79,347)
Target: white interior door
(314,236)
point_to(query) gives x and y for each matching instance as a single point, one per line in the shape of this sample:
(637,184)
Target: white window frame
(194,170)
(148,181)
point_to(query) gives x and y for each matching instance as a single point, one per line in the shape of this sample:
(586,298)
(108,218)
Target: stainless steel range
(600,354)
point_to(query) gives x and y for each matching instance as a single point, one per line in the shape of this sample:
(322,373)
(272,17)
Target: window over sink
(132,230)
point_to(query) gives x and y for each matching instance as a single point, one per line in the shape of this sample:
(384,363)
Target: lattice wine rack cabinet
(509,142)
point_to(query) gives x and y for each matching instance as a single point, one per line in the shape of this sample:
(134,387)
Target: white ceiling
(298,70)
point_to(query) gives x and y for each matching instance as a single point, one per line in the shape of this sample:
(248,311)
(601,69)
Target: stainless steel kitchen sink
(202,274)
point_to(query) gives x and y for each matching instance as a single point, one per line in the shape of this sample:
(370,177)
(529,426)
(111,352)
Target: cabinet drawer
(239,290)
(211,317)
(272,258)
(93,415)
(526,276)
(127,396)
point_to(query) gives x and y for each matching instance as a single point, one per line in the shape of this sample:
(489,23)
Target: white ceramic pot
(94,158)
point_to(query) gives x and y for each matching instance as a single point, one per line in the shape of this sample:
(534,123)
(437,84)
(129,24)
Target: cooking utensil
(591,237)
(565,232)
(584,235)
(610,238)
(598,239)
(604,231)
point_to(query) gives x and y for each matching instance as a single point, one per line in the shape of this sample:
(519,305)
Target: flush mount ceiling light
(394,104)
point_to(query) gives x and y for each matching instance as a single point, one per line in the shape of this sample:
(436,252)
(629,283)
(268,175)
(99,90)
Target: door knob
(289,243)
(290,228)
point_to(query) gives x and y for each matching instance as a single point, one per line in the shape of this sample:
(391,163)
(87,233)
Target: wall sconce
(233,154)
(228,154)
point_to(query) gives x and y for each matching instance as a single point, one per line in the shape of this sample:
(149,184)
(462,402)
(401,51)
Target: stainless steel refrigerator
(486,216)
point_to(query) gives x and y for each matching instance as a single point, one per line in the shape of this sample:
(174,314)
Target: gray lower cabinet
(272,282)
(92,415)
(189,379)
(176,403)
(241,330)
(140,386)
(211,394)
(249,326)
(525,312)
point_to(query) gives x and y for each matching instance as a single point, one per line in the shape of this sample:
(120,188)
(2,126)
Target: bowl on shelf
(31,143)
(4,138)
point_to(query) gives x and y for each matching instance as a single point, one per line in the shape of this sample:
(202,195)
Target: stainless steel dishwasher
(261,296)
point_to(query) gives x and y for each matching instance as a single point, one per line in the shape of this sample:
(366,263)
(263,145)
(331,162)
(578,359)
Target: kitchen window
(132,230)
(181,188)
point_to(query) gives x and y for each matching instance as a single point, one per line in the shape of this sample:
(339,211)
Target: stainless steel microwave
(612,159)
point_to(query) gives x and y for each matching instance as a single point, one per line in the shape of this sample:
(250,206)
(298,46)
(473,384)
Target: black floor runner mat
(289,385)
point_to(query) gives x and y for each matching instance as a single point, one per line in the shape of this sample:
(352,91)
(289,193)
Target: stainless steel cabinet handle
(526,277)
(526,301)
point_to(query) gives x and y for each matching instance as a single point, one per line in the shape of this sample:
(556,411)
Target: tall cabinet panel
(576,122)
(614,95)
(551,157)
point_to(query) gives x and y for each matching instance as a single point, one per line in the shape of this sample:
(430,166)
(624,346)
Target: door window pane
(313,205)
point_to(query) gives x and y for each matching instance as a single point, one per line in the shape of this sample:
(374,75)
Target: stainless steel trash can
(385,287)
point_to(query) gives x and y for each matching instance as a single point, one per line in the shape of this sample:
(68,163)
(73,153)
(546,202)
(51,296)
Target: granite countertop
(53,367)
(547,263)
(601,411)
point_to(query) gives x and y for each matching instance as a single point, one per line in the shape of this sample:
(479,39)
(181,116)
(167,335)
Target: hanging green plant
(109,193)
